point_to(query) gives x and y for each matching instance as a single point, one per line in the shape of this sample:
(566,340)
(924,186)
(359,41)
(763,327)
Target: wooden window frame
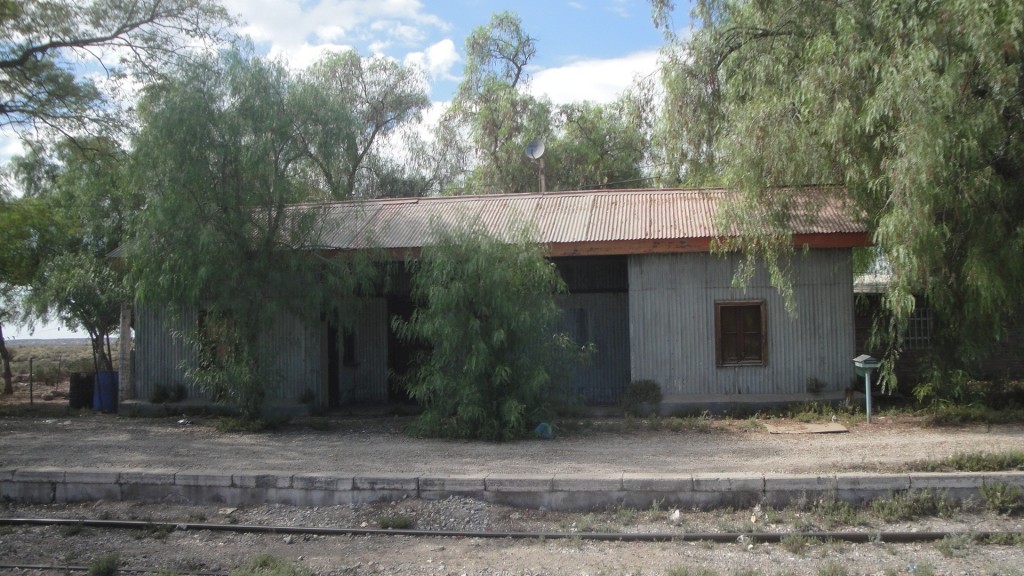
(720,360)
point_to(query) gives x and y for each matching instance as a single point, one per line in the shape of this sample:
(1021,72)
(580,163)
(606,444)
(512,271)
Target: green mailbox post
(864,365)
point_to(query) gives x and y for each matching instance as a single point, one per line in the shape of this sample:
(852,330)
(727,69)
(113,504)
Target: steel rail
(719,537)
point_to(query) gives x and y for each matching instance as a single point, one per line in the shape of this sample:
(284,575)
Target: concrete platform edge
(558,492)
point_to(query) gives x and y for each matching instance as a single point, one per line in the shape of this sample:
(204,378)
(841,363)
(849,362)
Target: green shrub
(955,545)
(232,424)
(832,568)
(797,544)
(105,565)
(395,522)
(270,566)
(913,505)
(68,530)
(1002,498)
(974,462)
(835,512)
(488,312)
(642,398)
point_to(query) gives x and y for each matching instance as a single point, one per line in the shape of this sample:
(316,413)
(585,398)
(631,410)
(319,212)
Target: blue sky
(586,49)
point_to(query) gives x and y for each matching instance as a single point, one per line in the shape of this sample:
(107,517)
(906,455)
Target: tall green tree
(487,310)
(914,107)
(222,158)
(597,146)
(52,51)
(84,184)
(489,123)
(27,235)
(375,97)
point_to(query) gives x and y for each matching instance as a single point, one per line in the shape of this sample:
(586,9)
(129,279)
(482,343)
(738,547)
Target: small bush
(105,565)
(69,530)
(913,505)
(837,513)
(832,568)
(154,531)
(495,366)
(250,426)
(642,398)
(953,415)
(395,522)
(270,566)
(796,544)
(1004,539)
(1002,498)
(954,546)
(974,462)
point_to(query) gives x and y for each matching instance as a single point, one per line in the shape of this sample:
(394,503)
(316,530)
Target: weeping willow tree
(487,309)
(225,158)
(915,108)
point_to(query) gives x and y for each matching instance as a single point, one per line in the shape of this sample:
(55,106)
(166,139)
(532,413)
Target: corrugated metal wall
(160,356)
(367,380)
(672,324)
(296,348)
(604,320)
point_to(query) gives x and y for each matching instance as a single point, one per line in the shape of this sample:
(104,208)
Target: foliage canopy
(488,310)
(48,46)
(916,108)
(224,161)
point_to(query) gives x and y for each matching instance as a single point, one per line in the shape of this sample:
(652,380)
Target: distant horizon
(49,331)
(22,342)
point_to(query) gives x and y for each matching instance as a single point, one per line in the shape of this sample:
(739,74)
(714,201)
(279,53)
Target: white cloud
(330,33)
(437,60)
(595,80)
(300,57)
(10,146)
(299,30)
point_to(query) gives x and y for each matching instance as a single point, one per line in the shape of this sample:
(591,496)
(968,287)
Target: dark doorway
(402,356)
(333,367)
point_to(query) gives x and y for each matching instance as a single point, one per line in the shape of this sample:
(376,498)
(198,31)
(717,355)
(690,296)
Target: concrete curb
(554,492)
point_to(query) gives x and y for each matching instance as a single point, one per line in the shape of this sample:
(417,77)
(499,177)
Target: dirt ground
(84,439)
(89,440)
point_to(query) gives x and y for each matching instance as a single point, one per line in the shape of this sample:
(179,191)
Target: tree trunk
(100,362)
(5,354)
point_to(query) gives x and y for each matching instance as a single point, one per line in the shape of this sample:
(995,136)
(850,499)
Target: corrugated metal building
(642,286)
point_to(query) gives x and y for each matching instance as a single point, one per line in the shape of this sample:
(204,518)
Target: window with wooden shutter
(741,333)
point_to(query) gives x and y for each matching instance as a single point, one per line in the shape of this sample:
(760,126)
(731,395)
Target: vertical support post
(867,393)
(543,183)
(31,382)
(124,355)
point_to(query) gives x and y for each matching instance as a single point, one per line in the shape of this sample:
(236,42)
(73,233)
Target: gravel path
(367,446)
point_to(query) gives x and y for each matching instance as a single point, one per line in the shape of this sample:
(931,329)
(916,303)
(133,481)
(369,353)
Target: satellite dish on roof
(535,149)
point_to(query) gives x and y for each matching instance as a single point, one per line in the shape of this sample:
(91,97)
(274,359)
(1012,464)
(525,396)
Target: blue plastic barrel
(105,396)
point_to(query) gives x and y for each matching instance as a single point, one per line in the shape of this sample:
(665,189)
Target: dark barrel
(80,393)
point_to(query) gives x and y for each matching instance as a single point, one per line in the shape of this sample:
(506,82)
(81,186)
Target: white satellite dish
(535,149)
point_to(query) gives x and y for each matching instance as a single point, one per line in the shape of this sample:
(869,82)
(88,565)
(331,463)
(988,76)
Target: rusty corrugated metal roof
(593,218)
